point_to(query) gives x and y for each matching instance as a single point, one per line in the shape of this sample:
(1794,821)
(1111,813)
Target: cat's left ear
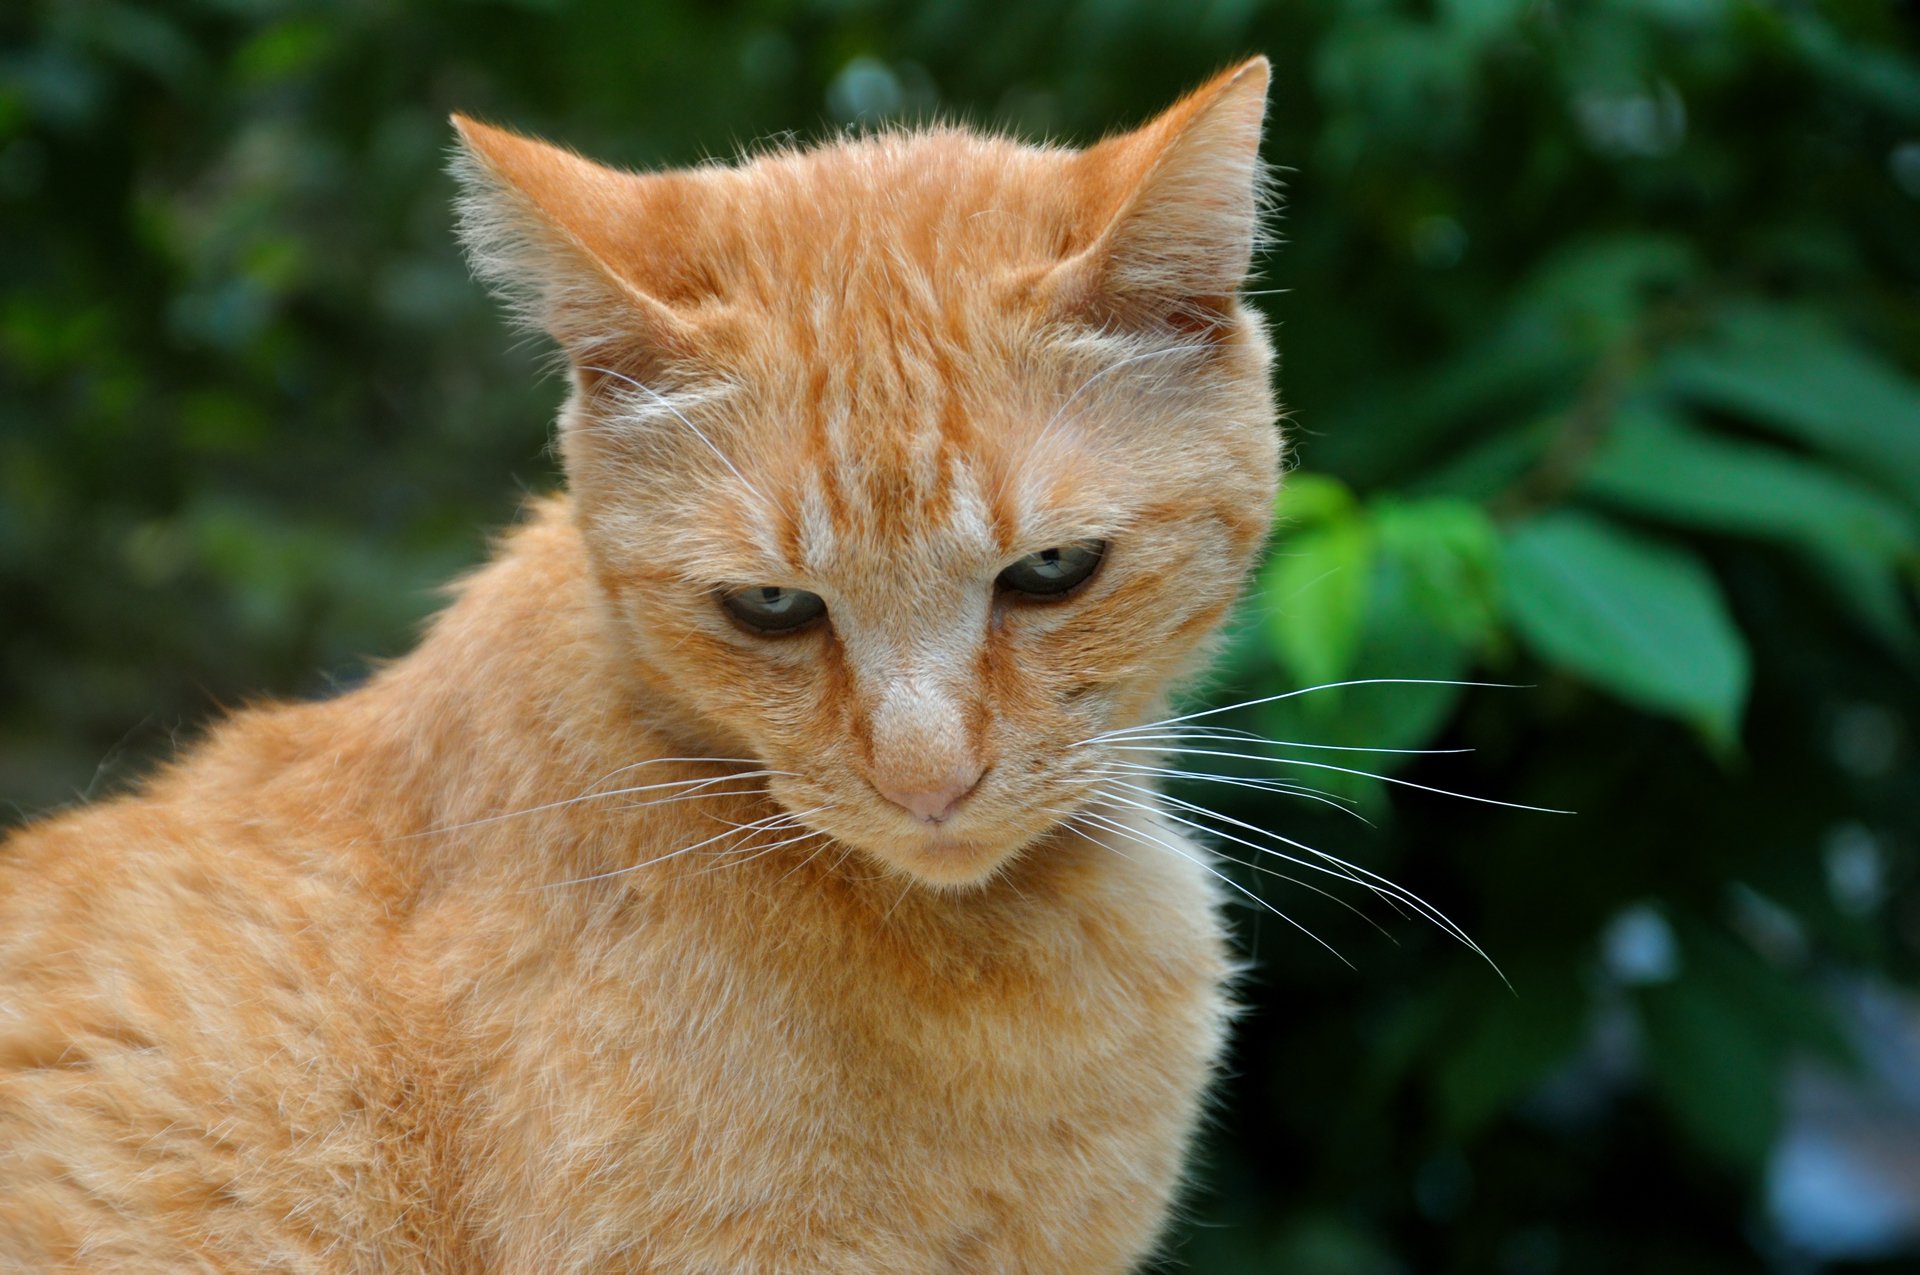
(596,256)
(1170,213)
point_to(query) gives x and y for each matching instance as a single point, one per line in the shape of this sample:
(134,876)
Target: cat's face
(908,464)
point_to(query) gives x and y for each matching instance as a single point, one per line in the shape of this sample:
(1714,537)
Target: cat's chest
(874,1096)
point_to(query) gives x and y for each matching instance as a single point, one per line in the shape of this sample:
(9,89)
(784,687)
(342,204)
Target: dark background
(1601,328)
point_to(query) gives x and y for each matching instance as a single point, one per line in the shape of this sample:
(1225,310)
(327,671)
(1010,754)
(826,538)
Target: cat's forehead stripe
(940,507)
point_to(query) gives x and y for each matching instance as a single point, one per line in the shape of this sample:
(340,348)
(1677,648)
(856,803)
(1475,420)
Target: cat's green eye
(1053,573)
(767,608)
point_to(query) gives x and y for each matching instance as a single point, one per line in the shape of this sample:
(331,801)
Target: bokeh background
(1601,328)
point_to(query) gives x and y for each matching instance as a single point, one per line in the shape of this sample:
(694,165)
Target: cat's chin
(947,861)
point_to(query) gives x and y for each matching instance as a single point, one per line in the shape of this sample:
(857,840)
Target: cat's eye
(767,608)
(1054,573)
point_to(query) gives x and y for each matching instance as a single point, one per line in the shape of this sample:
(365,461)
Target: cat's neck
(529,640)
(523,692)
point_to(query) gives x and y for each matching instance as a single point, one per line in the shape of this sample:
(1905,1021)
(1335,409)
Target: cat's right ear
(1168,215)
(583,251)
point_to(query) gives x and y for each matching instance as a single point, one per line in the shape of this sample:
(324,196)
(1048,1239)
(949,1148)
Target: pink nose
(935,804)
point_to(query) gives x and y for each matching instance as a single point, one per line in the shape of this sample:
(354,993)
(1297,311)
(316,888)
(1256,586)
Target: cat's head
(910,461)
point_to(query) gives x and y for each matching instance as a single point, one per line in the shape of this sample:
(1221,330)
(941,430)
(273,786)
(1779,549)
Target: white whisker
(759,851)
(1307,690)
(1248,737)
(1351,871)
(1386,890)
(1116,826)
(671,854)
(1281,787)
(826,843)
(695,796)
(1264,870)
(695,784)
(658,761)
(1347,770)
(789,819)
(906,888)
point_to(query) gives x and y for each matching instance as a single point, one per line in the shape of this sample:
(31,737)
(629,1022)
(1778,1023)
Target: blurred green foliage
(1601,328)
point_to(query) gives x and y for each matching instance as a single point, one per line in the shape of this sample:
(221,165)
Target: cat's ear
(1170,213)
(589,253)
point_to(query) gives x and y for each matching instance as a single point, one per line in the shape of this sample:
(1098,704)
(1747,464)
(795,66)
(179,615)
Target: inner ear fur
(588,253)
(1170,213)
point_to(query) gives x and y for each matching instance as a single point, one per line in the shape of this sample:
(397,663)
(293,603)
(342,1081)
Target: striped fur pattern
(584,938)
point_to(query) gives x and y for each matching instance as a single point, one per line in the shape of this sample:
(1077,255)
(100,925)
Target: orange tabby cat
(711,892)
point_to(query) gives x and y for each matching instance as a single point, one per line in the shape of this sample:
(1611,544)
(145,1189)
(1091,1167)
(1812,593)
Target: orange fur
(434,976)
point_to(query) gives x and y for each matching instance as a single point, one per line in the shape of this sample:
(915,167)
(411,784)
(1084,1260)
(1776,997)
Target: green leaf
(1717,1077)
(1595,288)
(1479,21)
(1875,594)
(1487,469)
(1396,641)
(1307,499)
(1404,593)
(1655,464)
(1642,618)
(1315,590)
(1451,552)
(1507,1048)
(1786,369)
(284,52)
